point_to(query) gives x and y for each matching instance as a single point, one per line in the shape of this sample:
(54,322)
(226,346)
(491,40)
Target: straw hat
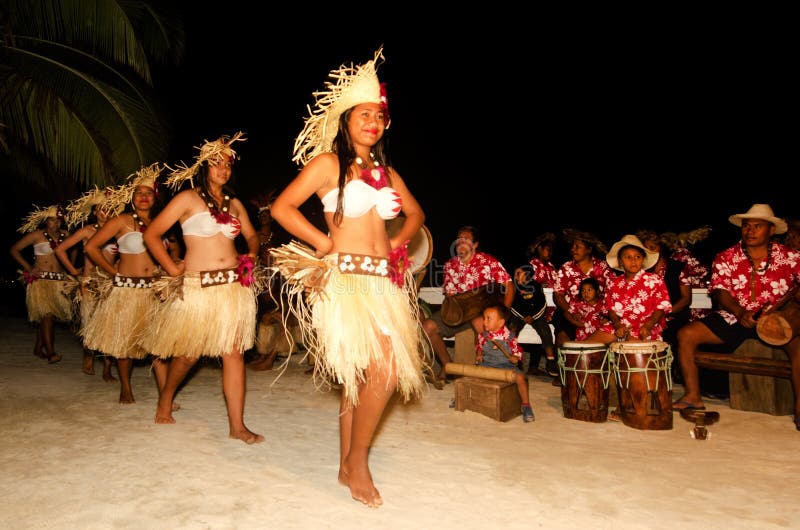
(590,239)
(349,86)
(34,219)
(650,257)
(78,211)
(211,152)
(763,212)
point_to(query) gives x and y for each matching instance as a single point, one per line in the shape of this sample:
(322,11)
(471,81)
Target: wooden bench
(759,377)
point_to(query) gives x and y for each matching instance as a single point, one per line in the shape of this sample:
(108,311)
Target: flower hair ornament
(78,210)
(33,220)
(348,86)
(211,152)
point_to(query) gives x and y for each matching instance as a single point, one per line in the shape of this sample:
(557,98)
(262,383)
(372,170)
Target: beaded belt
(218,277)
(47,275)
(133,282)
(363,264)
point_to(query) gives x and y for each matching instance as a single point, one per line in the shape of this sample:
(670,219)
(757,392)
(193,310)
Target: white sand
(72,457)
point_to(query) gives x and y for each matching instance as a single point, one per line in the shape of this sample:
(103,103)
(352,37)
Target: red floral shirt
(570,277)
(732,271)
(636,300)
(591,314)
(482,269)
(696,272)
(502,335)
(546,274)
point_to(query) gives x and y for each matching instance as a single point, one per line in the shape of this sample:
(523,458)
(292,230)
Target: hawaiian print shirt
(546,274)
(732,271)
(482,269)
(636,300)
(504,337)
(696,272)
(593,316)
(570,277)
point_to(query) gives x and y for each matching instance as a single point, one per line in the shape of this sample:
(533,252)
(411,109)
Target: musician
(754,276)
(584,264)
(469,269)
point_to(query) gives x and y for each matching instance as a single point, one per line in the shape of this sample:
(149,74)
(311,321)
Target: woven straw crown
(211,152)
(349,86)
(34,219)
(78,211)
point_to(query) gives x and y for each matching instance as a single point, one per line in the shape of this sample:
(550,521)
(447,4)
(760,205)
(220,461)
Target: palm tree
(76,98)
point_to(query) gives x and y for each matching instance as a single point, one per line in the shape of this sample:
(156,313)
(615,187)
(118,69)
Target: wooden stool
(498,400)
(760,393)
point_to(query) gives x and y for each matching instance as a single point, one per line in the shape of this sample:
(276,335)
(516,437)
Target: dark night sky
(526,127)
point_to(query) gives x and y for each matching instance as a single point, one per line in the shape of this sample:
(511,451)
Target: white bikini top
(204,225)
(42,249)
(359,198)
(131,243)
(110,248)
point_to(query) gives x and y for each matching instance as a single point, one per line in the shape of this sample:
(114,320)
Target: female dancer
(214,311)
(47,282)
(91,205)
(120,318)
(361,319)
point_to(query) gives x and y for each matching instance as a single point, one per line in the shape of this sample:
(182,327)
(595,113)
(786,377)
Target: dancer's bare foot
(54,358)
(40,353)
(88,364)
(164,419)
(246,436)
(361,486)
(126,398)
(264,362)
(107,375)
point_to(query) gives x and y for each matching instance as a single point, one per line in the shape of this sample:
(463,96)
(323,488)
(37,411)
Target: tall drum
(584,370)
(644,383)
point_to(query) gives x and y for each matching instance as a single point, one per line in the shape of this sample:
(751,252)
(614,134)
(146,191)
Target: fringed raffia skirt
(47,295)
(119,318)
(203,316)
(354,316)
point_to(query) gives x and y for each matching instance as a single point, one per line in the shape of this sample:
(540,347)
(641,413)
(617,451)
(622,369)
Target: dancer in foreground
(352,290)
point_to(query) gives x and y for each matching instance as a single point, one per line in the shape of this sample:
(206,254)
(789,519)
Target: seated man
(753,276)
(469,269)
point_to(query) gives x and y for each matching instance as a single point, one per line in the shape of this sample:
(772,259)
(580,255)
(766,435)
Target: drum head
(645,346)
(578,345)
(420,248)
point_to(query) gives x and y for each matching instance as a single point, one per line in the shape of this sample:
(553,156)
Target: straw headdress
(122,195)
(348,86)
(210,152)
(590,239)
(685,239)
(34,219)
(78,211)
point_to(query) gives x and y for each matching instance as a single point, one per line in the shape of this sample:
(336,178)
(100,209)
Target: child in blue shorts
(498,348)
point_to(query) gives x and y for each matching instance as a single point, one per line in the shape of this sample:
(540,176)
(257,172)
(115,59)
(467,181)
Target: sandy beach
(73,457)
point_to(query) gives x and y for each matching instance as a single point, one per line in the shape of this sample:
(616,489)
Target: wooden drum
(644,383)
(779,327)
(585,372)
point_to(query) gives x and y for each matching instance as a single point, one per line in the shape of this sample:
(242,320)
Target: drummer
(748,278)
(636,301)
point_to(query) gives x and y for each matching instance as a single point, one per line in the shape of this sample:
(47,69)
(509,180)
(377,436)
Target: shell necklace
(222,214)
(56,242)
(142,224)
(375,176)
(757,271)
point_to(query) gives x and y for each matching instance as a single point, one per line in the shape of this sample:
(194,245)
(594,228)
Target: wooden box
(761,393)
(498,400)
(464,348)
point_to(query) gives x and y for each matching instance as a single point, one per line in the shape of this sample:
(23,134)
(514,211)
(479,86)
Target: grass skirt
(211,321)
(49,297)
(351,321)
(118,321)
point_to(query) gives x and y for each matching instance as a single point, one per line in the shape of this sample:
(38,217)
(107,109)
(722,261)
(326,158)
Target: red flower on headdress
(384,102)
